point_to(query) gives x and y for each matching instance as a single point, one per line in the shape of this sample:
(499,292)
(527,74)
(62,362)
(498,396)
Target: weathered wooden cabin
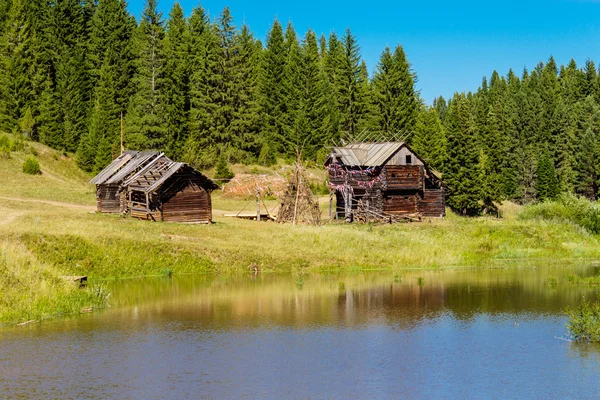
(169,191)
(383,181)
(110,196)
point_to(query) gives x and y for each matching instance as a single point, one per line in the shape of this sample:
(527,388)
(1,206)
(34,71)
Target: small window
(408,159)
(393,175)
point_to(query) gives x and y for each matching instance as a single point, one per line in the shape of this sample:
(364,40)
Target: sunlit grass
(31,290)
(70,240)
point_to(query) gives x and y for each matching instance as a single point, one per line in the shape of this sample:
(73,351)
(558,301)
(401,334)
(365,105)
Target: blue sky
(451,44)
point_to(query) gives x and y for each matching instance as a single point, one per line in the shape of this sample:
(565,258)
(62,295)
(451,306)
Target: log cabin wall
(107,198)
(400,203)
(191,204)
(404,177)
(432,204)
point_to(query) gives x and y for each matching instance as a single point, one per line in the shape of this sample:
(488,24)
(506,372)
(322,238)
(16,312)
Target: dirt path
(51,203)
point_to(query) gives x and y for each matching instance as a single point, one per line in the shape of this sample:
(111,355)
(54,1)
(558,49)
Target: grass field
(48,222)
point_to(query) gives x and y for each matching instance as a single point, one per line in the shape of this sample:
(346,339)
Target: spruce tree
(199,149)
(429,139)
(547,183)
(294,116)
(271,89)
(351,89)
(176,82)
(17,91)
(461,169)
(147,125)
(246,122)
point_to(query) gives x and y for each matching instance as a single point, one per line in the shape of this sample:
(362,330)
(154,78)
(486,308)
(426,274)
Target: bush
(31,166)
(266,157)
(222,170)
(18,144)
(5,146)
(584,322)
(567,207)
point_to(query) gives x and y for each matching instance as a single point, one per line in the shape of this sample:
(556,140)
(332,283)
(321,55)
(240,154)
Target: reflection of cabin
(383,180)
(109,191)
(170,191)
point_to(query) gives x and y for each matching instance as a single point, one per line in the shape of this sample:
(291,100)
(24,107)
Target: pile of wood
(298,204)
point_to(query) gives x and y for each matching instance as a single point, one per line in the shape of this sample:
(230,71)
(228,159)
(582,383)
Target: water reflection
(348,300)
(419,334)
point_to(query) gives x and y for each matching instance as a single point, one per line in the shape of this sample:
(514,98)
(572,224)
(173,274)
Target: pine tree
(461,169)
(271,89)
(176,82)
(441,107)
(17,90)
(351,89)
(314,100)
(394,94)
(332,62)
(547,183)
(111,44)
(245,126)
(429,139)
(294,117)
(147,120)
(200,150)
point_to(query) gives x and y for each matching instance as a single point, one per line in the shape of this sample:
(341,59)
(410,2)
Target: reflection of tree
(349,300)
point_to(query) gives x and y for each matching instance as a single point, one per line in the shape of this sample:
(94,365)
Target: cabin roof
(158,171)
(367,154)
(123,166)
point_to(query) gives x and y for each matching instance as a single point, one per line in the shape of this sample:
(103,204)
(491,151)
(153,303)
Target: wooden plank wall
(404,177)
(400,203)
(192,204)
(107,198)
(432,204)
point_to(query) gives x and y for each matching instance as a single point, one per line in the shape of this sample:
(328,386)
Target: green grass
(72,240)
(32,290)
(567,208)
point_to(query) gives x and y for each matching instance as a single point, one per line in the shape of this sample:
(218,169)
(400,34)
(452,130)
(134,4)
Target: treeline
(196,88)
(523,138)
(74,73)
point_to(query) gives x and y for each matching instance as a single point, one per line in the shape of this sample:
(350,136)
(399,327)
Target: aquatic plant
(584,322)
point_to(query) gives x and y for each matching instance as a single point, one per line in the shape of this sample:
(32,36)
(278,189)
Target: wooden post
(257,204)
(298,184)
(330,204)
(147,206)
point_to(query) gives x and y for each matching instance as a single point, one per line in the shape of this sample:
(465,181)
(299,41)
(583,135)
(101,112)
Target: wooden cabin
(381,181)
(110,196)
(170,191)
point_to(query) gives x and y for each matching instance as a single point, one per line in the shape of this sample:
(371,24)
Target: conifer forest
(201,88)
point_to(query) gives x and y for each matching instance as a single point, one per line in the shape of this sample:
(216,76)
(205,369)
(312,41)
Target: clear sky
(451,44)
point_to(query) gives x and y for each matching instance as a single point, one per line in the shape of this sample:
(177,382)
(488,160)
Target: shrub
(18,144)
(31,166)
(222,170)
(266,157)
(5,146)
(567,207)
(584,322)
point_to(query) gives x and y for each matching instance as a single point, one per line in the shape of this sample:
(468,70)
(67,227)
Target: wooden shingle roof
(158,171)
(123,166)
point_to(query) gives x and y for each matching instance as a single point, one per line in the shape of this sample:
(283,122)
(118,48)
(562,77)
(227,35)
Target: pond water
(421,334)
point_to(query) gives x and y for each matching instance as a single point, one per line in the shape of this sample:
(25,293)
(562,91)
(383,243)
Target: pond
(491,333)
